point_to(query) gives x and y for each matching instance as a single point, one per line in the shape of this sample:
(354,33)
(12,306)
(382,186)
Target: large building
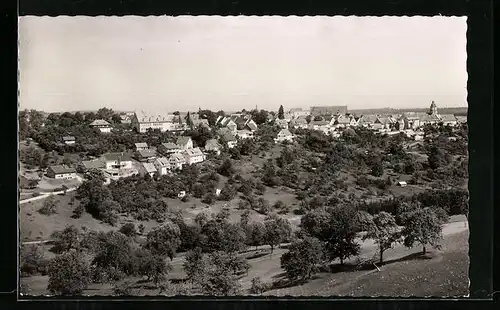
(142,121)
(328,110)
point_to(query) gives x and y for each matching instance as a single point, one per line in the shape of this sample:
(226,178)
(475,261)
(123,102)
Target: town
(236,203)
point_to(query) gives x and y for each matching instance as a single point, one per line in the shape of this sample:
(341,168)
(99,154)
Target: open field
(441,273)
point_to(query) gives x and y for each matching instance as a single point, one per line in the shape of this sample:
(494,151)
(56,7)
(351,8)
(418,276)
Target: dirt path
(45,195)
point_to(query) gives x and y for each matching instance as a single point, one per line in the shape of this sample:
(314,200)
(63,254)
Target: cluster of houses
(330,120)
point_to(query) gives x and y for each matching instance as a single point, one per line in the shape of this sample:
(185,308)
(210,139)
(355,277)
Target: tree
(218,277)
(113,253)
(226,168)
(164,240)
(32,260)
(302,259)
(66,239)
(377,168)
(422,226)
(281,112)
(384,231)
(218,234)
(194,263)
(154,267)
(270,177)
(255,234)
(337,227)
(189,121)
(436,157)
(69,274)
(258,287)
(277,230)
(128,230)
(49,206)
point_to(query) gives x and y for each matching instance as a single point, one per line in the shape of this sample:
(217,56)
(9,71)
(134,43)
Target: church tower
(433,109)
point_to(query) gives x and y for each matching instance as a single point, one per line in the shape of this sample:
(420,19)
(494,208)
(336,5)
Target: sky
(230,63)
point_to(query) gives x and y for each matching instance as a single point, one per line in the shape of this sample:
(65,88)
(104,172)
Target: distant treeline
(456,111)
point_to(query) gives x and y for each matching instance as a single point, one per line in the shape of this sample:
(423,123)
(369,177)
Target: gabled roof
(368,119)
(162,162)
(177,158)
(146,153)
(149,167)
(448,118)
(170,146)
(183,140)
(319,123)
(69,138)
(252,125)
(284,132)
(60,169)
(141,145)
(298,121)
(99,122)
(342,119)
(212,144)
(117,156)
(194,152)
(149,116)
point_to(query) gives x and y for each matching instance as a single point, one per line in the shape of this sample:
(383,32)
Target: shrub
(128,230)
(49,206)
(302,259)
(258,287)
(69,274)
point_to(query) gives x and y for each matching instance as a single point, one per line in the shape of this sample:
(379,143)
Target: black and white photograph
(243,156)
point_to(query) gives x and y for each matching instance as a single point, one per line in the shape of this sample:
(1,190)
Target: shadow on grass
(410,257)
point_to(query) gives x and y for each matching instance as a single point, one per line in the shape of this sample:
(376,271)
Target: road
(44,195)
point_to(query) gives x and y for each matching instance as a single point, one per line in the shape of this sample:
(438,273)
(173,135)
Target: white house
(213,145)
(69,140)
(283,135)
(448,119)
(141,146)
(117,161)
(184,143)
(162,165)
(298,123)
(282,123)
(194,156)
(231,125)
(149,168)
(61,172)
(244,134)
(102,125)
(177,161)
(169,148)
(142,121)
(228,136)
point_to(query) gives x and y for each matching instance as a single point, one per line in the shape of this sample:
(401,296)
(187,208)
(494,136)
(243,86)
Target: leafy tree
(218,234)
(194,263)
(337,227)
(49,206)
(154,267)
(112,254)
(65,239)
(277,230)
(384,231)
(32,260)
(189,121)
(226,169)
(128,230)
(281,112)
(377,168)
(318,118)
(270,177)
(227,193)
(422,226)
(258,287)
(218,277)
(164,240)
(436,157)
(302,259)
(69,274)
(255,234)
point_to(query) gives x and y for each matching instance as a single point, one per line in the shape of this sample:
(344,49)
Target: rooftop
(141,145)
(60,169)
(99,122)
(149,167)
(183,140)
(117,156)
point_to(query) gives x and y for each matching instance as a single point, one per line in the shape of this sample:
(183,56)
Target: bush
(49,206)
(209,198)
(128,230)
(123,289)
(32,261)
(258,287)
(69,274)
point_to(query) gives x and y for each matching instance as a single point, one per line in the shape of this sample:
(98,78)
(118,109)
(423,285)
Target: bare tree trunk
(424,250)
(381,256)
(341,261)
